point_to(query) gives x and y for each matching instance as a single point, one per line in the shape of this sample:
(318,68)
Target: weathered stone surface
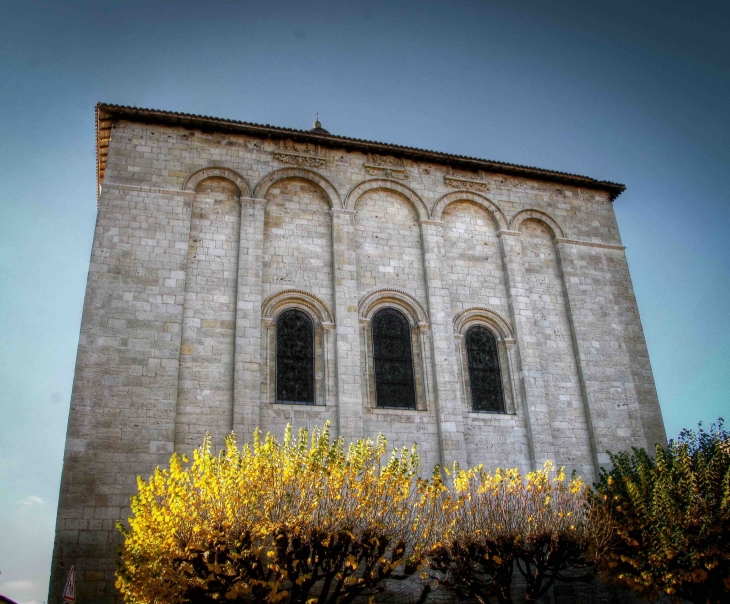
(202,238)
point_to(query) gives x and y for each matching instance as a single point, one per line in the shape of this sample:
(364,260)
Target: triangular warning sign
(69,592)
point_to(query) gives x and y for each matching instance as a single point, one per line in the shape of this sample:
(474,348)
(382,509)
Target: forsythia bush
(672,516)
(298,521)
(495,523)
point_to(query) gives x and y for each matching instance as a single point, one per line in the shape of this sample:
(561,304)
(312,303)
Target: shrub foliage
(301,521)
(672,517)
(492,524)
(307,520)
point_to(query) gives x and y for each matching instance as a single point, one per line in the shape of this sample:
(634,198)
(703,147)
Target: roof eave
(106,114)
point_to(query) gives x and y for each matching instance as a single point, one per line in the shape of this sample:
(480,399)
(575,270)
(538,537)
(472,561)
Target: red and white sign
(69,592)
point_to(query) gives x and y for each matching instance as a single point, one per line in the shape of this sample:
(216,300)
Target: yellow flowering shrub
(541,525)
(305,520)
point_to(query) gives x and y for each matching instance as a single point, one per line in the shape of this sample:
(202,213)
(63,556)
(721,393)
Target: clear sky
(634,92)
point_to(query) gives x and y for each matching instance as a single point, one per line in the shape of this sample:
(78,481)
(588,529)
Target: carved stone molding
(387,161)
(301,161)
(483,315)
(386,166)
(475,184)
(466,184)
(302,155)
(397,297)
(297,298)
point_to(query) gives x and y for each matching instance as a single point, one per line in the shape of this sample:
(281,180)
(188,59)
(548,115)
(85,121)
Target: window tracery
(294,358)
(485,378)
(393,360)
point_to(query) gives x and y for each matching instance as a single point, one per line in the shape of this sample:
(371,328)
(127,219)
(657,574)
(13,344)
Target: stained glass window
(393,360)
(294,358)
(484,376)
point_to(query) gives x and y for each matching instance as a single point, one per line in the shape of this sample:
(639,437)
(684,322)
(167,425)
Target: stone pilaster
(348,357)
(446,371)
(537,413)
(564,262)
(247,363)
(599,309)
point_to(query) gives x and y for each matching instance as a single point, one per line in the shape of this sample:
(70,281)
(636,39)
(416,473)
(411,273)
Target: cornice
(147,189)
(607,246)
(107,114)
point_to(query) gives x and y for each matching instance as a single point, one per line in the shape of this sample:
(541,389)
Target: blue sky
(625,91)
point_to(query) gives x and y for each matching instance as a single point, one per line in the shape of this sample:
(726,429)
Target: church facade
(249,276)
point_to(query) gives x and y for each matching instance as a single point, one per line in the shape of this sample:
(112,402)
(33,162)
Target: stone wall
(203,238)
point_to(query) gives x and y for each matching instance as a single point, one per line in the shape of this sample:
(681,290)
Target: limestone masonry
(209,229)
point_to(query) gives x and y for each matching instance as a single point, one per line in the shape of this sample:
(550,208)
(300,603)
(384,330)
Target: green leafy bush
(672,518)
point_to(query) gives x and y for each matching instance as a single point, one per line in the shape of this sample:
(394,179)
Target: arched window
(392,360)
(294,358)
(484,376)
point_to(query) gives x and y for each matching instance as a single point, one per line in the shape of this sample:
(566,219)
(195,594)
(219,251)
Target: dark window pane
(484,377)
(393,361)
(294,358)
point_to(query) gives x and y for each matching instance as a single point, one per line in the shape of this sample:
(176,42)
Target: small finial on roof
(317,128)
